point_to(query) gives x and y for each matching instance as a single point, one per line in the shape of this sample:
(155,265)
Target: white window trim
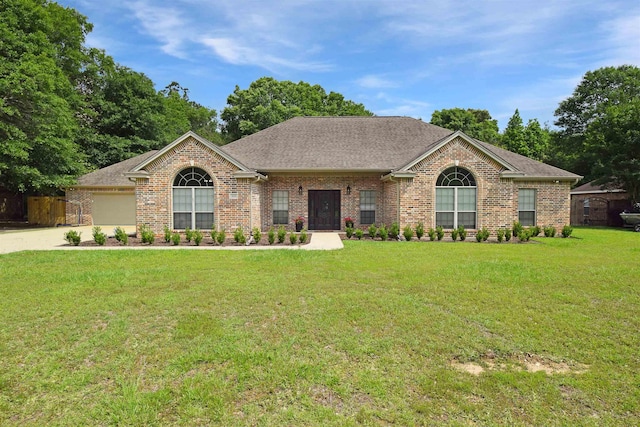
(535,205)
(455,210)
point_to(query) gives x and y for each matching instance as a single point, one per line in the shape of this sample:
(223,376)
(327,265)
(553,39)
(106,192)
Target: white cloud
(166,24)
(375,82)
(623,40)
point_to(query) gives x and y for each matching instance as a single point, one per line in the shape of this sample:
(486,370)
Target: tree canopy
(476,123)
(599,125)
(531,140)
(268,102)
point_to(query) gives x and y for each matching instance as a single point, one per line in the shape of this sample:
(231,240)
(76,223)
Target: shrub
(500,235)
(462,233)
(524,235)
(566,231)
(439,232)
(293,238)
(394,231)
(167,234)
(221,236)
(303,235)
(419,230)
(454,234)
(550,231)
(73,237)
(482,235)
(507,234)
(359,233)
(121,235)
(238,236)
(98,236)
(213,234)
(188,234)
(175,239)
(271,236)
(282,234)
(349,232)
(383,232)
(373,231)
(432,234)
(516,228)
(534,231)
(407,232)
(257,234)
(146,235)
(197,236)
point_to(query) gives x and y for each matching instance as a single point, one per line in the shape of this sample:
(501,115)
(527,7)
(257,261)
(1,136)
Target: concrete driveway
(42,239)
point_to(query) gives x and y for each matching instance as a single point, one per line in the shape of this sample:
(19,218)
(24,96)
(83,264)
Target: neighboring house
(598,205)
(373,169)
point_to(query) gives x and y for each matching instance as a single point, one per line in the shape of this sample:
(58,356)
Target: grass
(362,336)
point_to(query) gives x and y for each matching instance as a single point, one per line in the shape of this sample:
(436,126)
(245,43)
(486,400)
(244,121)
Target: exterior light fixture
(348,190)
(300,190)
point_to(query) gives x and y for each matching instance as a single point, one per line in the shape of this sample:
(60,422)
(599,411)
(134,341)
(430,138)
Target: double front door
(324,209)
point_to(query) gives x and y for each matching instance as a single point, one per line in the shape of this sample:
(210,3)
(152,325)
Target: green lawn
(373,334)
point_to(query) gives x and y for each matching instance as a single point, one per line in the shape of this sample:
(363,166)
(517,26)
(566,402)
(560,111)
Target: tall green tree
(476,123)
(599,127)
(531,140)
(39,47)
(268,102)
(513,137)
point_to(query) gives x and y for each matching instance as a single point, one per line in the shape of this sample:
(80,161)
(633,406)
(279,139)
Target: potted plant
(299,223)
(348,222)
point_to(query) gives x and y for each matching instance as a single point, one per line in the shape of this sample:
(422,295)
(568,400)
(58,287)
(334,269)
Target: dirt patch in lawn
(518,362)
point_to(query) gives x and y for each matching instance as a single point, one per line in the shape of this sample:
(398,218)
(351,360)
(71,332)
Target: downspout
(397,197)
(79,209)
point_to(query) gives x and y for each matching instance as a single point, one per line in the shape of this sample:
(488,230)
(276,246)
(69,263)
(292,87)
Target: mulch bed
(159,241)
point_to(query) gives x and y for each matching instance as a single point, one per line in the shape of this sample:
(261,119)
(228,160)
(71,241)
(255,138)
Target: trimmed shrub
(197,236)
(439,232)
(221,236)
(257,234)
(419,230)
(349,232)
(394,231)
(303,235)
(359,234)
(239,237)
(407,232)
(98,236)
(373,231)
(534,231)
(282,234)
(271,236)
(73,237)
(188,234)
(146,234)
(383,232)
(516,228)
(524,235)
(175,239)
(462,233)
(482,235)
(293,238)
(454,234)
(167,234)
(550,231)
(213,234)
(566,231)
(121,235)
(507,234)
(500,235)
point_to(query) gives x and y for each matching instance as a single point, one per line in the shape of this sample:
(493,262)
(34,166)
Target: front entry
(324,209)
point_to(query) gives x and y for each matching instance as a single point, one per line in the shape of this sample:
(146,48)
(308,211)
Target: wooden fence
(42,210)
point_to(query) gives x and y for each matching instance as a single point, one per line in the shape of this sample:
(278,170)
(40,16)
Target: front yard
(405,333)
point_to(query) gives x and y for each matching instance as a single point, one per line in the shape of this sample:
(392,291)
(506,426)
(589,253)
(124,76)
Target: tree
(531,140)
(513,138)
(475,123)
(37,97)
(268,102)
(599,127)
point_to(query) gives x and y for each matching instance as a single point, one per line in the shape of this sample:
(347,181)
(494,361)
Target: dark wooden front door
(324,209)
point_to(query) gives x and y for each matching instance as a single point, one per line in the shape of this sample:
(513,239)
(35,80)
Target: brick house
(373,169)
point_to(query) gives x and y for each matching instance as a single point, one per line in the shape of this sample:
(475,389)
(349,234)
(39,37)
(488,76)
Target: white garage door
(114,209)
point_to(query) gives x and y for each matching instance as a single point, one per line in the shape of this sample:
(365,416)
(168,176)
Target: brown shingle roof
(113,176)
(337,143)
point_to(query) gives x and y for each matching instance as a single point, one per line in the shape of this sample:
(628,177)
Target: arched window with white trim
(193,197)
(456,198)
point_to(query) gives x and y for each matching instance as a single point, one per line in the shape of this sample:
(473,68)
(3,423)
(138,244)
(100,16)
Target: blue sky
(396,57)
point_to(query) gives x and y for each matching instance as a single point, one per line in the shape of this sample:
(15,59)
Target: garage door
(114,209)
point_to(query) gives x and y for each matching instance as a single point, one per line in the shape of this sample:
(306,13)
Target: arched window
(193,196)
(456,198)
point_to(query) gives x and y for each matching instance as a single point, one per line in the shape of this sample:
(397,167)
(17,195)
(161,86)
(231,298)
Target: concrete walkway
(45,239)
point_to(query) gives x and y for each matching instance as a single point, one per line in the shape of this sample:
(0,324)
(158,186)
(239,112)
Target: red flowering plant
(299,220)
(348,222)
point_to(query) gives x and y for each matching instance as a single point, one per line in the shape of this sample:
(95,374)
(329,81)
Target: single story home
(372,169)
(593,204)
